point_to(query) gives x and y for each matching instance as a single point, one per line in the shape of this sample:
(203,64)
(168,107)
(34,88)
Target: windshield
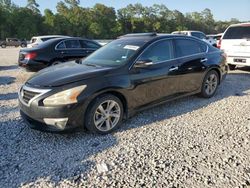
(241,32)
(115,53)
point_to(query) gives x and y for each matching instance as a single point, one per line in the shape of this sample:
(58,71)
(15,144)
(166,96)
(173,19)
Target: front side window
(72,44)
(185,47)
(158,52)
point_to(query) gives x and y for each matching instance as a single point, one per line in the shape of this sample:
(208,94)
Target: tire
(232,67)
(23,45)
(3,45)
(210,84)
(98,119)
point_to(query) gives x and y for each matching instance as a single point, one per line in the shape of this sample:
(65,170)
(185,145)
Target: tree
(33,6)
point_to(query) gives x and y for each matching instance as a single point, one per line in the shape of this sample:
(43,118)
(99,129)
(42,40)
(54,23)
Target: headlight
(65,97)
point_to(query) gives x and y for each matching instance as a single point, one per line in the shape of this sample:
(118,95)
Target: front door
(157,80)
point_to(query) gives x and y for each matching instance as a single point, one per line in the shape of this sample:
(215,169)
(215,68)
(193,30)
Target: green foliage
(101,21)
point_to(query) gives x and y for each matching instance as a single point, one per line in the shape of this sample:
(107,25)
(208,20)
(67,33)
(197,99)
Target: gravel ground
(191,142)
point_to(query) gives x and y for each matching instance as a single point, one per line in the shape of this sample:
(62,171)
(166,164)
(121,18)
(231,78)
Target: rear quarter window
(186,47)
(240,32)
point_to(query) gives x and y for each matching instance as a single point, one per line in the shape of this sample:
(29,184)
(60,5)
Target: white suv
(40,39)
(235,42)
(198,34)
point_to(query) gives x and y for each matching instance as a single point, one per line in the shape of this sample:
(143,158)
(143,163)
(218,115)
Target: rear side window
(240,32)
(72,44)
(61,45)
(88,44)
(159,51)
(185,47)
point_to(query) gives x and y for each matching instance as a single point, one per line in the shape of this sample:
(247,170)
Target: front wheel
(104,114)
(210,84)
(3,45)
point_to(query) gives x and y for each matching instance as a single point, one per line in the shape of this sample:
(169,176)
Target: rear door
(192,56)
(236,41)
(72,51)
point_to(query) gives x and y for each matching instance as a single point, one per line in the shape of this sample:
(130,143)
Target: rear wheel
(232,67)
(3,45)
(23,45)
(104,114)
(210,84)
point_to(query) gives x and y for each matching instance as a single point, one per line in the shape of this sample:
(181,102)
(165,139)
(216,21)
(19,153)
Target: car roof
(154,36)
(240,24)
(187,31)
(48,36)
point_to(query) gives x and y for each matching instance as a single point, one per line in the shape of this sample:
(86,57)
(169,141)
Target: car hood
(65,73)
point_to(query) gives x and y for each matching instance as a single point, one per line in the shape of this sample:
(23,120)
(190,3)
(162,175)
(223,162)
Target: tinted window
(72,44)
(198,35)
(159,51)
(186,47)
(240,32)
(48,38)
(88,44)
(61,45)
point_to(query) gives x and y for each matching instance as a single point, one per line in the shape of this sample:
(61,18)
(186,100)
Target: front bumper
(53,119)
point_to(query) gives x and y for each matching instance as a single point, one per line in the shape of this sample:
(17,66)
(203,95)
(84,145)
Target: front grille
(28,95)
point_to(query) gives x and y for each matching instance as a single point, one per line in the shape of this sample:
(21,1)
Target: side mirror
(143,63)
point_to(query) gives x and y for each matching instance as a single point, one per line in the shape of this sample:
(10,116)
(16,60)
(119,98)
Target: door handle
(62,52)
(173,68)
(203,60)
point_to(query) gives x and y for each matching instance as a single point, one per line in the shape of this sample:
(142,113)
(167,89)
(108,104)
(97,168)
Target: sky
(221,9)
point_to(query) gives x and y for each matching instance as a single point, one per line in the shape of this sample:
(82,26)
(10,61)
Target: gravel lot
(191,142)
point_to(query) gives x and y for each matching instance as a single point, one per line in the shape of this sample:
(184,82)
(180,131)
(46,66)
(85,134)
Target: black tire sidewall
(89,117)
(203,92)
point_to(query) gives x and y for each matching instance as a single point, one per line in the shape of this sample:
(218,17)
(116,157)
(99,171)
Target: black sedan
(127,75)
(56,51)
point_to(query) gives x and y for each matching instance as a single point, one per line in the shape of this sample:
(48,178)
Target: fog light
(57,122)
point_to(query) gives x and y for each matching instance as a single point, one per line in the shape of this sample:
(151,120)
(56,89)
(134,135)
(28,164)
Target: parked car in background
(127,75)
(40,39)
(216,37)
(55,51)
(235,42)
(13,42)
(198,34)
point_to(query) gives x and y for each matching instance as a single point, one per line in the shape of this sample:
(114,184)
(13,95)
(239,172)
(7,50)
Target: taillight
(31,55)
(219,44)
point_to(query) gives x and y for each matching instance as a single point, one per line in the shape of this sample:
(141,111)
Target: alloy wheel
(211,84)
(107,115)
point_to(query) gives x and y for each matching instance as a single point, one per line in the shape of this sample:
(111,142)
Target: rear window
(240,32)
